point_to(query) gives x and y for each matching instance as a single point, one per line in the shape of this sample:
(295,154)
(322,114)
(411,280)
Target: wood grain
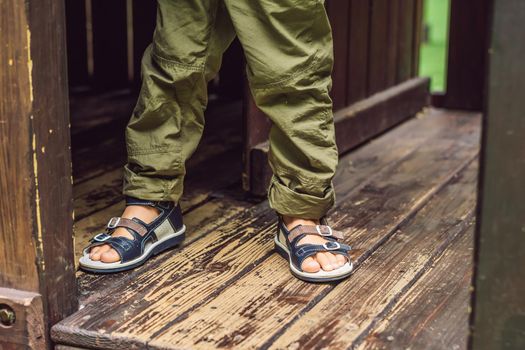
(467,54)
(172,290)
(260,303)
(201,221)
(17,251)
(349,311)
(358,63)
(378,47)
(28,330)
(405,39)
(499,305)
(434,312)
(36,246)
(338,13)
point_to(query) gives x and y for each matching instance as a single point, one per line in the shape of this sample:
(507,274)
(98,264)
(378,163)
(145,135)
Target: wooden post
(37,279)
(498,320)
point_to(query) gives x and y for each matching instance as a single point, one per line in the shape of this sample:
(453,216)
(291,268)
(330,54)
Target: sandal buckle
(101,237)
(331,245)
(113,223)
(329,234)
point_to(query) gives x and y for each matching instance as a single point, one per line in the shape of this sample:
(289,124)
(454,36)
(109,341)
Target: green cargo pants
(288,47)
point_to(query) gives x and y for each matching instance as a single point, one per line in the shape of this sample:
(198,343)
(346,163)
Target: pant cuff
(288,202)
(152,188)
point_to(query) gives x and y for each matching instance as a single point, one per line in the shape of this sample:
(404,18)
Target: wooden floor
(405,201)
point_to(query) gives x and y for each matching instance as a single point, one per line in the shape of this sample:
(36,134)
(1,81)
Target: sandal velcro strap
(303,251)
(127,223)
(320,230)
(126,248)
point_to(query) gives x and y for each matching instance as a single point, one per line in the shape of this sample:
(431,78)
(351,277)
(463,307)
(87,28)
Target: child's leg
(288,46)
(168,120)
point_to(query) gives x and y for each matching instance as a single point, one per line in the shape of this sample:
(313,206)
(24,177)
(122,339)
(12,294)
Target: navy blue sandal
(165,232)
(286,244)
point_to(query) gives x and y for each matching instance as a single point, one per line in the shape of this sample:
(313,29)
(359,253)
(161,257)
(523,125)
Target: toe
(110,256)
(310,265)
(93,251)
(333,260)
(341,260)
(324,261)
(95,255)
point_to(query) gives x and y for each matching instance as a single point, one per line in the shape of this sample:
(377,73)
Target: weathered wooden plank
(200,221)
(379,46)
(349,310)
(359,26)
(467,54)
(357,123)
(498,321)
(433,314)
(255,245)
(368,118)
(26,330)
(66,347)
(36,248)
(417,32)
(405,40)
(16,182)
(98,182)
(393,47)
(105,190)
(201,270)
(338,12)
(263,301)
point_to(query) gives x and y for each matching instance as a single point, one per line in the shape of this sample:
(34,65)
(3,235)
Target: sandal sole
(155,249)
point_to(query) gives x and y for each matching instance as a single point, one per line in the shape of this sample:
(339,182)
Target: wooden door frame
(467,56)
(37,280)
(498,318)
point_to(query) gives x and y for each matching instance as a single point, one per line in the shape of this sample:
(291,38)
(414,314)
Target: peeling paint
(39,237)
(29,64)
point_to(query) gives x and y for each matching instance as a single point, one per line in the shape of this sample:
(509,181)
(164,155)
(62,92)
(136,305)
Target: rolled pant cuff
(287,202)
(151,188)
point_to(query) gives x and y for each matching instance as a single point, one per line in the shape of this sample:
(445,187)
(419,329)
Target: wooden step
(226,288)
(253,309)
(434,312)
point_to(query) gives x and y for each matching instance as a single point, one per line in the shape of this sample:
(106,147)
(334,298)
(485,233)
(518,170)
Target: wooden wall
(376,49)
(375,44)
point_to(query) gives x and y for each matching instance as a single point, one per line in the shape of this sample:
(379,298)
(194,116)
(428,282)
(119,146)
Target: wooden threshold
(405,199)
(355,124)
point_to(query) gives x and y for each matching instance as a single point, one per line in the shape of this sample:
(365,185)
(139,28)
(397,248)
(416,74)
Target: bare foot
(107,254)
(325,260)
